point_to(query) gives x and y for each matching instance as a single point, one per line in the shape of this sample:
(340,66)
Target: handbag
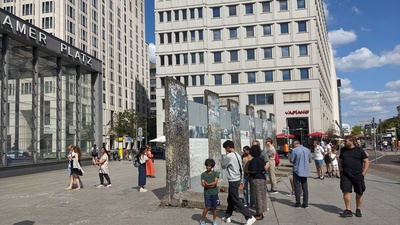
(136,163)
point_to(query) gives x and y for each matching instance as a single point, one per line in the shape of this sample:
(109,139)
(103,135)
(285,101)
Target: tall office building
(272,54)
(112,31)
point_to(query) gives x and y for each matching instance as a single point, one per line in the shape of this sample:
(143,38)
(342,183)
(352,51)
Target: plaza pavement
(40,199)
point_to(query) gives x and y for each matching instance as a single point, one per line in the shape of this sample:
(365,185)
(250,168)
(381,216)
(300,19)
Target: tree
(356,130)
(127,123)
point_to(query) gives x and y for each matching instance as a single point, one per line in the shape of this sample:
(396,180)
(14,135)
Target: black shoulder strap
(240,168)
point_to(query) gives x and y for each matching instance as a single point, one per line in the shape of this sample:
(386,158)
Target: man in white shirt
(319,153)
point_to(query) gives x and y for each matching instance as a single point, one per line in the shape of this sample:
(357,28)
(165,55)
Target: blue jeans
(142,175)
(247,190)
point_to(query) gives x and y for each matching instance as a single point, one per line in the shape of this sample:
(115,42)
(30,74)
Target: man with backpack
(353,166)
(95,153)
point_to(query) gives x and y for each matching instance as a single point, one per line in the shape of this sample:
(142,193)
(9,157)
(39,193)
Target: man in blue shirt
(301,158)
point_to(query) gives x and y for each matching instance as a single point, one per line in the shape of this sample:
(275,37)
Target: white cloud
(152,52)
(341,37)
(328,17)
(363,105)
(394,85)
(356,10)
(364,58)
(365,29)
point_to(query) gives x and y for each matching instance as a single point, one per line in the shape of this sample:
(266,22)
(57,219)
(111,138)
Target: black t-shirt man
(352,160)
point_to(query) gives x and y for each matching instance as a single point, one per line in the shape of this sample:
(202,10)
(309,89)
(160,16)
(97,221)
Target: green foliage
(356,130)
(389,123)
(127,123)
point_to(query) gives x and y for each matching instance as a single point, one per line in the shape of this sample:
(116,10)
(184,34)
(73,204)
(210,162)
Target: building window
(185,59)
(269,76)
(169,16)
(218,79)
(177,59)
(47,7)
(217,35)
(249,8)
(250,31)
(286,75)
(201,80)
(285,51)
(304,74)
(9,9)
(300,97)
(251,77)
(201,57)
(184,35)
(47,22)
(216,12)
(301,4)
(192,16)
(284,28)
(266,7)
(192,35)
(251,55)
(193,58)
(162,63)
(200,12)
(176,14)
(200,32)
(303,50)
(232,10)
(161,16)
(234,78)
(261,99)
(198,100)
(161,37)
(283,5)
(184,14)
(194,81)
(234,55)
(302,25)
(267,29)
(27,9)
(176,37)
(268,53)
(233,33)
(217,57)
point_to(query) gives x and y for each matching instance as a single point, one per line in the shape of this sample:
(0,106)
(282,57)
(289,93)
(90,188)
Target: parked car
(158,152)
(13,154)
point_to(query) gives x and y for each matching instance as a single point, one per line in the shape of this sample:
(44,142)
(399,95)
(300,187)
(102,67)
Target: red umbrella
(283,135)
(317,134)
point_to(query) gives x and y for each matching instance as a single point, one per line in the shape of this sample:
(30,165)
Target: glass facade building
(50,95)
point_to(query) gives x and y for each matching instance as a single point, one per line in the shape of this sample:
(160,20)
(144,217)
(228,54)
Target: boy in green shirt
(209,180)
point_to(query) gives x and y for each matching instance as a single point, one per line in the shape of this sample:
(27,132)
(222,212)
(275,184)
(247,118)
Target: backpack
(94,151)
(277,160)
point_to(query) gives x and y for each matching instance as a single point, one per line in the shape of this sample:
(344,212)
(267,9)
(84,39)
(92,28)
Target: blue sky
(365,36)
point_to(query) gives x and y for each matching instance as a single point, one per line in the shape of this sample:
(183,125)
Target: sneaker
(316,177)
(290,194)
(202,223)
(245,205)
(272,191)
(214,223)
(337,176)
(109,186)
(346,213)
(304,206)
(226,219)
(358,213)
(297,206)
(143,190)
(251,220)
(100,186)
(321,178)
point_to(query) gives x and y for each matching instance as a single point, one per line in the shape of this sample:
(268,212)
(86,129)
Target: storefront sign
(297,112)
(23,28)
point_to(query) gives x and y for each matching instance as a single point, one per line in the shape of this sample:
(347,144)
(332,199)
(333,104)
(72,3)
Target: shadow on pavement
(328,208)
(160,192)
(26,222)
(382,181)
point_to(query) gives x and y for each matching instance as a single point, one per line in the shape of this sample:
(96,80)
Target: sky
(365,36)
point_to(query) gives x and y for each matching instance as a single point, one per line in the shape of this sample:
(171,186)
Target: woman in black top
(256,171)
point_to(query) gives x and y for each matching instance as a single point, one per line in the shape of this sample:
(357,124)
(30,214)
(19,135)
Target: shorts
(211,201)
(335,167)
(357,182)
(327,159)
(95,154)
(318,162)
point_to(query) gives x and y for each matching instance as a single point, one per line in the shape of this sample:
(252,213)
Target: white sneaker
(226,220)
(109,186)
(100,186)
(251,221)
(142,189)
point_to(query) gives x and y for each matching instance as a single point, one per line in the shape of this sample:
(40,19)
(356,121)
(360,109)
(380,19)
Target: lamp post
(374,138)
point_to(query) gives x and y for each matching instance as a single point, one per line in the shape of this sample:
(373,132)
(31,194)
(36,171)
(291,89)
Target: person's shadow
(26,222)
(208,219)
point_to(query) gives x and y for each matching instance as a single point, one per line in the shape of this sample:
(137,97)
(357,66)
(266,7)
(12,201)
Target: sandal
(78,188)
(68,188)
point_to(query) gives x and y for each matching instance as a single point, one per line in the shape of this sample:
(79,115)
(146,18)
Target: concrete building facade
(274,55)
(112,31)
